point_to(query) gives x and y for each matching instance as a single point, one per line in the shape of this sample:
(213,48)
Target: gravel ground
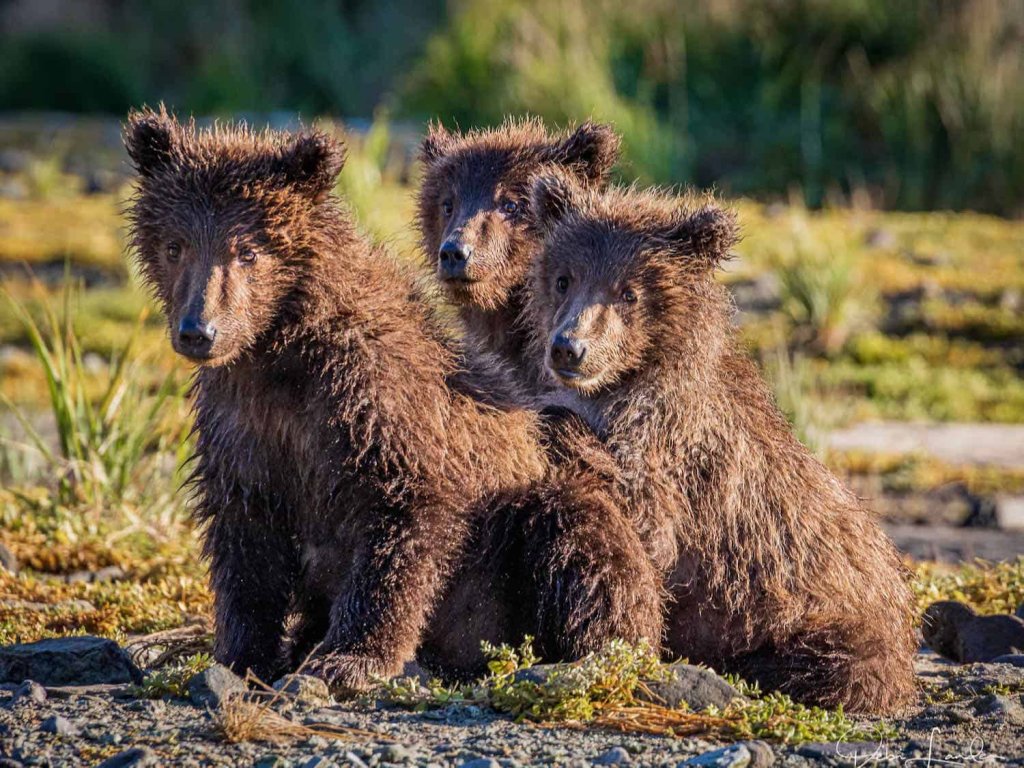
(967,715)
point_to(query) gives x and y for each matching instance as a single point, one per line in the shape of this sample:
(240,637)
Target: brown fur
(343,448)
(775,569)
(479,174)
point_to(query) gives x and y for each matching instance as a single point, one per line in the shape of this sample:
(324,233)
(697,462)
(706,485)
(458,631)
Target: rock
(111,572)
(355,759)
(880,237)
(29,692)
(7,559)
(305,689)
(13,189)
(614,756)
(1003,707)
(15,160)
(318,762)
(58,725)
(395,753)
(210,687)
(136,757)
(761,753)
(733,756)
(697,687)
(1009,512)
(64,606)
(68,661)
(1011,300)
(955,631)
(271,761)
(539,673)
(481,762)
(1014,659)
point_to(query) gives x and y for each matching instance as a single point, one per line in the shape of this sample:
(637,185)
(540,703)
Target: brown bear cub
(775,569)
(473,220)
(343,448)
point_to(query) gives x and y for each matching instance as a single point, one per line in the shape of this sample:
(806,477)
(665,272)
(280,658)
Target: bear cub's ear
(150,137)
(312,162)
(706,234)
(436,144)
(590,151)
(552,196)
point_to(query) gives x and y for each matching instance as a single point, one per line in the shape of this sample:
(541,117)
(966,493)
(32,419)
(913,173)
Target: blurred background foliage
(911,104)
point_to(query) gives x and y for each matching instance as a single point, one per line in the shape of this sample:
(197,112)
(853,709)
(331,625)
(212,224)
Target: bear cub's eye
(510,207)
(562,284)
(629,296)
(447,208)
(173,252)
(247,255)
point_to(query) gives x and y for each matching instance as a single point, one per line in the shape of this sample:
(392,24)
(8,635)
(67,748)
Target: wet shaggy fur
(343,448)
(775,569)
(475,196)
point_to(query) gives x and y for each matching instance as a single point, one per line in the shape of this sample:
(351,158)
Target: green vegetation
(601,689)
(989,588)
(172,680)
(916,105)
(103,438)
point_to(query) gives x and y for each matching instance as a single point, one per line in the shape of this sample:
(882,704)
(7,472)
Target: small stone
(271,761)
(1006,709)
(210,687)
(481,762)
(958,715)
(136,757)
(110,573)
(355,759)
(1009,512)
(81,660)
(733,756)
(761,753)
(395,753)
(8,561)
(318,761)
(305,689)
(152,707)
(880,238)
(697,687)
(29,692)
(58,725)
(614,756)
(539,673)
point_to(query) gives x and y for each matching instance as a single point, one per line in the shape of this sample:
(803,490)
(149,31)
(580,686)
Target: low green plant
(823,292)
(601,689)
(109,437)
(172,680)
(794,387)
(989,588)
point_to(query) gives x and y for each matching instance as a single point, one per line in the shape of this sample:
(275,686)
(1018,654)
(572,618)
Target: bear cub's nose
(454,257)
(567,353)
(196,337)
